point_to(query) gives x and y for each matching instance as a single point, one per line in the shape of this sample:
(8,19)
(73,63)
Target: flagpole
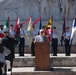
(51,35)
(8,22)
(63,31)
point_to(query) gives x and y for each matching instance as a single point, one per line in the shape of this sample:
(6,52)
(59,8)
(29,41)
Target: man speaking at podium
(42,52)
(41,37)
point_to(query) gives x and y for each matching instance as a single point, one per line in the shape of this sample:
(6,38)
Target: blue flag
(40,26)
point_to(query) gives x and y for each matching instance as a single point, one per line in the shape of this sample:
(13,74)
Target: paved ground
(32,69)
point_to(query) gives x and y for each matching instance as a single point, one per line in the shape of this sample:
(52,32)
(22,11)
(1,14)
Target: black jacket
(9,43)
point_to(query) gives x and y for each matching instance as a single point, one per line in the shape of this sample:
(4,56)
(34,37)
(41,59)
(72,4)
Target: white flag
(73,30)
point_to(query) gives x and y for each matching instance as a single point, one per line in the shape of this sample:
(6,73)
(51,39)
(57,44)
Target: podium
(42,56)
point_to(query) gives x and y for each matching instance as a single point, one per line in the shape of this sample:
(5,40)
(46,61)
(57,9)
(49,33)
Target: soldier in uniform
(54,41)
(9,43)
(12,32)
(66,41)
(22,41)
(33,34)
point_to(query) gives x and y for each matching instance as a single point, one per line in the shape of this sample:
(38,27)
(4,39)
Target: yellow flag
(29,30)
(49,23)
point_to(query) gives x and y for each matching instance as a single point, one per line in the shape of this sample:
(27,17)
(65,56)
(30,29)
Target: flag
(25,21)
(17,30)
(17,27)
(40,26)
(29,31)
(49,23)
(7,23)
(37,21)
(63,31)
(49,27)
(73,30)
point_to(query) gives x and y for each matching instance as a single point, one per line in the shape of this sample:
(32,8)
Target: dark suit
(44,39)
(9,43)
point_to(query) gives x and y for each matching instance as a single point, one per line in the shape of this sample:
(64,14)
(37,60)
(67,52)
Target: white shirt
(39,38)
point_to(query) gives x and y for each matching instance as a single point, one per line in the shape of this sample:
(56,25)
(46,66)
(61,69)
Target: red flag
(17,27)
(49,28)
(64,26)
(25,21)
(37,20)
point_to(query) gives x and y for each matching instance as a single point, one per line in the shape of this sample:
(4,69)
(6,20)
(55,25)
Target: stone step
(55,61)
(60,49)
(32,71)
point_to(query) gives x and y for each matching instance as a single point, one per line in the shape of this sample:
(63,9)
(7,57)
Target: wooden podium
(42,56)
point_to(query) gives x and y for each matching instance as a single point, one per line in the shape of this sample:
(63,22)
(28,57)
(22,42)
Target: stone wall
(46,8)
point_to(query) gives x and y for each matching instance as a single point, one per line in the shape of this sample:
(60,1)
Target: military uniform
(66,43)
(33,34)
(12,33)
(22,42)
(54,43)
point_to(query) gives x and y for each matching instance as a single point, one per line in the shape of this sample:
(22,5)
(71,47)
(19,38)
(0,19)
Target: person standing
(3,52)
(33,34)
(9,43)
(54,41)
(67,35)
(12,32)
(41,37)
(22,41)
